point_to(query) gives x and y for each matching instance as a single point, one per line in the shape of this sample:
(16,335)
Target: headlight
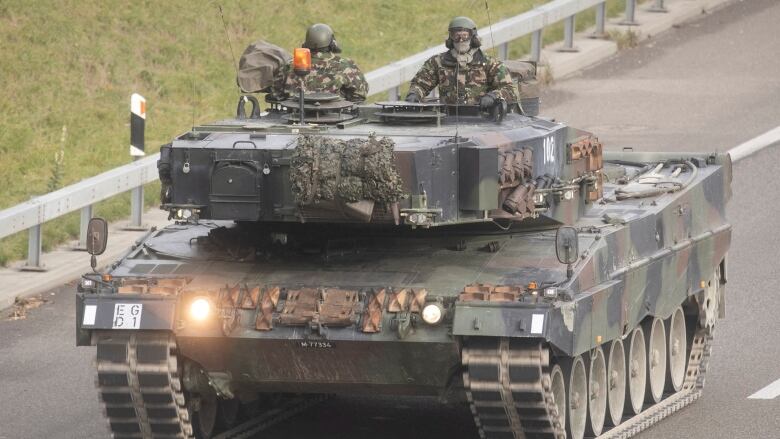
(551,293)
(200,308)
(432,313)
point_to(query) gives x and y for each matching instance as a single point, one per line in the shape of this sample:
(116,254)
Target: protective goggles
(460,35)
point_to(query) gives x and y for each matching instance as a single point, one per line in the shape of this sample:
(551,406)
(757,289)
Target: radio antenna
(457,100)
(230,44)
(490,26)
(194,103)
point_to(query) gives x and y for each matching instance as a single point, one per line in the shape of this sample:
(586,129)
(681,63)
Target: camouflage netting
(328,169)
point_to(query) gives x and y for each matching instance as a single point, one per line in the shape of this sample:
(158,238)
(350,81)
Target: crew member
(481,79)
(331,73)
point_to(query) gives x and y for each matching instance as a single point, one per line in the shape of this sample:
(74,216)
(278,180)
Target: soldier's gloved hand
(413,97)
(487,102)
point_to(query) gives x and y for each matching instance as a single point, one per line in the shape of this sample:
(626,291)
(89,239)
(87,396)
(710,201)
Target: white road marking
(771,391)
(755,144)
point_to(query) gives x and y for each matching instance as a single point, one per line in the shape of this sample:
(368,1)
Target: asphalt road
(708,85)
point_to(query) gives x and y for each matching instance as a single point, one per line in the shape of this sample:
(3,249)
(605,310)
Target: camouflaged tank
(563,290)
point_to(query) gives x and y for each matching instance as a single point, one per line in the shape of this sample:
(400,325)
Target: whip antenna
(457,99)
(194,103)
(230,44)
(490,26)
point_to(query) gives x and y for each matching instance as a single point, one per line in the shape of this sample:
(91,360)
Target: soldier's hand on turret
(487,102)
(413,97)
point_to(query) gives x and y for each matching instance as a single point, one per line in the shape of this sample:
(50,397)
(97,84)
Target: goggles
(460,35)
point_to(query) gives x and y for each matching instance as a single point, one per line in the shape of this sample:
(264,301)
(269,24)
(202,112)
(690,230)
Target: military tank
(323,247)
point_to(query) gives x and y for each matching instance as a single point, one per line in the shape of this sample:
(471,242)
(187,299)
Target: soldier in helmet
(331,73)
(481,79)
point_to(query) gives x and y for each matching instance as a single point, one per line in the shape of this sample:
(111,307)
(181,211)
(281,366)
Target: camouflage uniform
(330,73)
(480,76)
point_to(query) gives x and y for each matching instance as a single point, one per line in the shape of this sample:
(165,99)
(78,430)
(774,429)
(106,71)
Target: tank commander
(331,73)
(481,79)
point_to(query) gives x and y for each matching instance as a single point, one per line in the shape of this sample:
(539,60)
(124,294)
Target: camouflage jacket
(482,75)
(330,73)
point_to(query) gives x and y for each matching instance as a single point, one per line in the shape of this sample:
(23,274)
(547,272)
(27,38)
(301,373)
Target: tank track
(507,384)
(140,387)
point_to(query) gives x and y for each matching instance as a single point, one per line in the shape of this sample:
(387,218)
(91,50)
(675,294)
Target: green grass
(71,66)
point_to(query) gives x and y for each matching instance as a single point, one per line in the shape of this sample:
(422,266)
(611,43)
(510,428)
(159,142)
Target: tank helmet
(456,33)
(320,38)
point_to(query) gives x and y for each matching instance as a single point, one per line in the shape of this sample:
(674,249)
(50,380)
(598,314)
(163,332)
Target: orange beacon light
(301,61)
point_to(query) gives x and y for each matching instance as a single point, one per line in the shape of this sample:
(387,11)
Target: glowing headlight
(418,219)
(200,308)
(551,293)
(186,213)
(432,313)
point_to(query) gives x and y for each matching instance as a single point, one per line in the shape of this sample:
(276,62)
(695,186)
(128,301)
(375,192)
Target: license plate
(127,315)
(309,344)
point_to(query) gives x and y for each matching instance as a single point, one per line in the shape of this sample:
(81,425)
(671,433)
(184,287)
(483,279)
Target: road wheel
(677,353)
(655,335)
(558,388)
(576,397)
(636,366)
(616,382)
(204,415)
(597,392)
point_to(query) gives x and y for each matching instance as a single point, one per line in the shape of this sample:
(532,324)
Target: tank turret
(392,163)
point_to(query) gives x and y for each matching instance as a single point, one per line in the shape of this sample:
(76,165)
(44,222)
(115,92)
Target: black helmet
(319,37)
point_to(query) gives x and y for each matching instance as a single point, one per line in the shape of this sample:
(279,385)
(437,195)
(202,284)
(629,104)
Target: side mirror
(567,247)
(97,238)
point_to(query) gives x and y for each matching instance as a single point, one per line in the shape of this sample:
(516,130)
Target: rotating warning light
(199,309)
(302,61)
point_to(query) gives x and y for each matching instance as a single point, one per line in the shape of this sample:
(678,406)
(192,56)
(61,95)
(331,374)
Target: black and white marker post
(137,125)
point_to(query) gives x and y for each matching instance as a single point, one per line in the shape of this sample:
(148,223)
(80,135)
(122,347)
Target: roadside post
(137,128)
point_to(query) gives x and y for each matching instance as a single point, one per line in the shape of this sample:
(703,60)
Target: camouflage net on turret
(328,169)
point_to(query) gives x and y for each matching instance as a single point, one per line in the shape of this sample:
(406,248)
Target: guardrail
(32,214)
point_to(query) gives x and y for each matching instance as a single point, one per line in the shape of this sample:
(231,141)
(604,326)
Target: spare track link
(509,389)
(508,402)
(139,385)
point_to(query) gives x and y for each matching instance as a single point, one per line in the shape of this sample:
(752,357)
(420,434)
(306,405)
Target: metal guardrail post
(601,21)
(658,6)
(394,93)
(86,215)
(536,45)
(34,249)
(630,19)
(136,209)
(503,51)
(568,35)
